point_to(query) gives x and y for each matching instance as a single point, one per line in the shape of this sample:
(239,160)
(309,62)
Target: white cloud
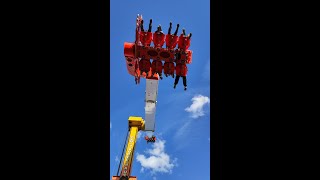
(206,71)
(182,130)
(196,108)
(158,161)
(154,178)
(117,159)
(142,170)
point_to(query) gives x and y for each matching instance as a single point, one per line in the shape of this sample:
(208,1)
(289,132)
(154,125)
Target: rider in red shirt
(170,27)
(181,71)
(150,25)
(146,37)
(137,73)
(144,66)
(184,40)
(156,67)
(168,69)
(172,40)
(158,37)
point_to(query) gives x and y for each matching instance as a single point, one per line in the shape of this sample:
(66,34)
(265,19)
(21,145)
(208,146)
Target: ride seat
(144,65)
(183,42)
(158,39)
(146,38)
(171,41)
(156,66)
(168,68)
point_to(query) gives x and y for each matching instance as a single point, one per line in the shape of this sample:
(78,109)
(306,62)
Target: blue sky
(182,117)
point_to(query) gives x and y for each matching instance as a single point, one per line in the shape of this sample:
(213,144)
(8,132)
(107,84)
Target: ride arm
(150,106)
(135,124)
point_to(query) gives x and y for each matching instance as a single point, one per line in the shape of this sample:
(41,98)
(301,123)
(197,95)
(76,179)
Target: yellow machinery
(135,124)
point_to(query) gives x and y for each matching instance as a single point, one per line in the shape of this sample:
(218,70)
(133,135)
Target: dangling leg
(190,34)
(178,56)
(185,82)
(142,26)
(184,32)
(176,81)
(176,32)
(160,75)
(170,27)
(150,25)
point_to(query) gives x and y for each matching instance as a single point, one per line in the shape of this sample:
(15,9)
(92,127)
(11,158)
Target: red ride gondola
(139,54)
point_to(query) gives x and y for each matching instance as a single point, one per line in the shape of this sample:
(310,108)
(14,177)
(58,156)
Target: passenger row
(159,38)
(169,69)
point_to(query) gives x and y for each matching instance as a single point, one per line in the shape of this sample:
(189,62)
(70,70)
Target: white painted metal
(151,100)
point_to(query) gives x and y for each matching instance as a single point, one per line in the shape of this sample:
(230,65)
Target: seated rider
(137,74)
(172,40)
(168,69)
(146,37)
(137,78)
(181,71)
(144,66)
(156,67)
(158,37)
(150,25)
(184,40)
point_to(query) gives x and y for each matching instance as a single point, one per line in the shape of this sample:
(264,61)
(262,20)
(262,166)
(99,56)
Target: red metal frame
(135,51)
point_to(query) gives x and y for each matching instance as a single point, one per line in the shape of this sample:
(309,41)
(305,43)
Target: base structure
(118,178)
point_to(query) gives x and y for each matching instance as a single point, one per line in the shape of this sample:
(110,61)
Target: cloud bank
(158,160)
(196,108)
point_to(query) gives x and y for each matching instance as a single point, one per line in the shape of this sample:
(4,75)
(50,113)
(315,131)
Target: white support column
(151,99)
